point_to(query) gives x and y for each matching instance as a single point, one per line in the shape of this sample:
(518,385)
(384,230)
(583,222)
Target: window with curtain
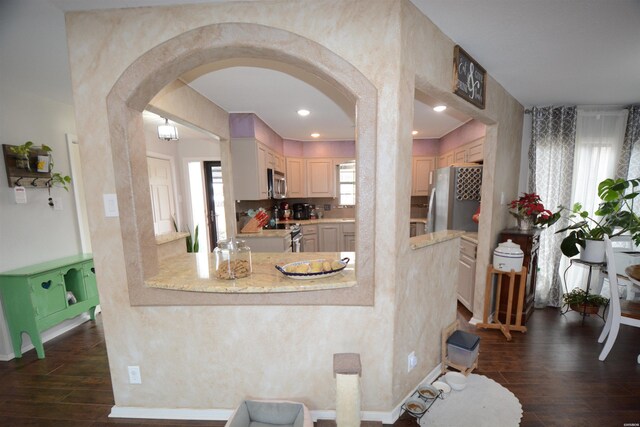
(570,150)
(599,137)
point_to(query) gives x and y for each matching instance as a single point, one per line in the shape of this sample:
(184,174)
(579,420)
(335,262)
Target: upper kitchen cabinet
(422,175)
(250,160)
(321,178)
(296,177)
(475,150)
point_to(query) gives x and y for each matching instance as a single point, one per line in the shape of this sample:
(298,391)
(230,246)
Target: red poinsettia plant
(530,205)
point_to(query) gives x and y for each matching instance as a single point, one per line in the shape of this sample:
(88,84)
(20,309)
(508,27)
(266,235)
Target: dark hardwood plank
(553,369)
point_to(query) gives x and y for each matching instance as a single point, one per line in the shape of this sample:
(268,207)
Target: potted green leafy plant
(580,300)
(23,153)
(614,217)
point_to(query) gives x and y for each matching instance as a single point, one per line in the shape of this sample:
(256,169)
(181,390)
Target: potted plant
(529,212)
(579,300)
(613,217)
(22,153)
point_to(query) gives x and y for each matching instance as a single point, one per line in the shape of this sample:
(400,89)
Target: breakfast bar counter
(429,239)
(197,273)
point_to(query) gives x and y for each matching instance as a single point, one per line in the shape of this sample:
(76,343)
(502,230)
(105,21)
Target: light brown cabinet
(329,236)
(460,155)
(250,159)
(296,177)
(467,273)
(475,150)
(348,237)
(422,175)
(321,178)
(310,238)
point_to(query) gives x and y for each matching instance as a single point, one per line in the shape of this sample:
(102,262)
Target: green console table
(35,297)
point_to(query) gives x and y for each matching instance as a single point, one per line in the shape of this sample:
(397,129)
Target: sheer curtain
(599,138)
(551,162)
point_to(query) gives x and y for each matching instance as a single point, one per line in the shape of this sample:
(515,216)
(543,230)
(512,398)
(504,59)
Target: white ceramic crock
(508,256)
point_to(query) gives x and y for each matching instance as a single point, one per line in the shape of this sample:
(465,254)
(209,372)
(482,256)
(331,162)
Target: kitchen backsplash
(419,206)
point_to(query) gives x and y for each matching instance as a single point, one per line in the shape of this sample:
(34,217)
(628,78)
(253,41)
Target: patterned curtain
(551,155)
(629,164)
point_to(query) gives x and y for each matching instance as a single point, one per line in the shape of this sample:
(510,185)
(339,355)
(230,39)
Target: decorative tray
(290,270)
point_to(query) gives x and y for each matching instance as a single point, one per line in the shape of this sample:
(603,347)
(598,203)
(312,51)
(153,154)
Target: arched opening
(162,65)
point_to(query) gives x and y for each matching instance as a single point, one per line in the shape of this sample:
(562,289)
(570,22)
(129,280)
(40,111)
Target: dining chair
(621,312)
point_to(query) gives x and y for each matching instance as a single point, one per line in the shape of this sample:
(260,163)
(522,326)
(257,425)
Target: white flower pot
(593,251)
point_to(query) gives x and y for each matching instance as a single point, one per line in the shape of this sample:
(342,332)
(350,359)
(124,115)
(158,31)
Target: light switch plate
(110,205)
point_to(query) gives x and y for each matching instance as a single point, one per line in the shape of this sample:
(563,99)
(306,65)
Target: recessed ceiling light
(439,108)
(303,113)
(415,132)
(315,135)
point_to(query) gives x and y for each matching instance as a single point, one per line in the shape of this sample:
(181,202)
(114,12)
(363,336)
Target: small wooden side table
(507,327)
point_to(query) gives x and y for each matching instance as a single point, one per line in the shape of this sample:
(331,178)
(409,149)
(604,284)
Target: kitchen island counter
(429,239)
(197,273)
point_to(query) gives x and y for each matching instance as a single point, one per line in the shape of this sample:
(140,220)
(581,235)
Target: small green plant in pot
(580,300)
(23,153)
(613,217)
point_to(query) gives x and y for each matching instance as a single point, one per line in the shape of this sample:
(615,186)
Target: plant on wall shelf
(23,151)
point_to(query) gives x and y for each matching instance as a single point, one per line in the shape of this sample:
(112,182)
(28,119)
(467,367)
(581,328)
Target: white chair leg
(613,334)
(639,359)
(607,325)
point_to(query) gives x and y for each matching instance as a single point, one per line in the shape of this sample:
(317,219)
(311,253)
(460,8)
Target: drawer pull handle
(93,270)
(46,285)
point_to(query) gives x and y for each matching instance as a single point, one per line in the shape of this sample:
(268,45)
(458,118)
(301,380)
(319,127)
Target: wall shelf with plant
(31,166)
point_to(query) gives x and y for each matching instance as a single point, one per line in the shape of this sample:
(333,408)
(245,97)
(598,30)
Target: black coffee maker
(301,211)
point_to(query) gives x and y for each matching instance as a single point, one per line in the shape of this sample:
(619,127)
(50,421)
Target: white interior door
(160,184)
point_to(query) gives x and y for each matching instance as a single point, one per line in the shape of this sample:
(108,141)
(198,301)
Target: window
(347,183)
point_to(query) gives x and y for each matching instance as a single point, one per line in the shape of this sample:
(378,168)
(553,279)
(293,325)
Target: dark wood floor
(553,369)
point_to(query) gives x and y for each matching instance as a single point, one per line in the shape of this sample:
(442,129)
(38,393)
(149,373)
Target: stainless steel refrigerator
(455,198)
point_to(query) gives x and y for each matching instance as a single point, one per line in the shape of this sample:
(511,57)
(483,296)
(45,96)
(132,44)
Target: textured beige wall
(213,356)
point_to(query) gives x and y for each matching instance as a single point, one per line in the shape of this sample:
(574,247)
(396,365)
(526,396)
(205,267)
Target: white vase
(525,223)
(593,251)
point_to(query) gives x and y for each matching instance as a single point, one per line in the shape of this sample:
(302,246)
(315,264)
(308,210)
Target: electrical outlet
(412,361)
(134,375)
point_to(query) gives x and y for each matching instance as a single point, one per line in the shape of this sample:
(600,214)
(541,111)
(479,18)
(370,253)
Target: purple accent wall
(425,147)
(248,125)
(466,133)
(241,125)
(329,149)
(293,148)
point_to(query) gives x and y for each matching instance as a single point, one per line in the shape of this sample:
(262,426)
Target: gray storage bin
(462,348)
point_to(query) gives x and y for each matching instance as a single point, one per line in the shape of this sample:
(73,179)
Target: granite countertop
(197,273)
(470,236)
(420,220)
(266,233)
(429,239)
(170,237)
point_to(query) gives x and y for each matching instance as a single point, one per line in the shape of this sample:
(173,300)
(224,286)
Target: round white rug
(483,402)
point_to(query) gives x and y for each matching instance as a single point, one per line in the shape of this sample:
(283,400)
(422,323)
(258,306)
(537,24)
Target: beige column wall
(214,356)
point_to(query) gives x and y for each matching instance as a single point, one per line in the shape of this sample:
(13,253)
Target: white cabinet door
(475,150)
(320,178)
(249,160)
(467,273)
(329,237)
(296,177)
(161,187)
(422,175)
(460,155)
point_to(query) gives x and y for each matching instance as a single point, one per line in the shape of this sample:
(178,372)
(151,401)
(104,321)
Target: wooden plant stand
(446,363)
(507,327)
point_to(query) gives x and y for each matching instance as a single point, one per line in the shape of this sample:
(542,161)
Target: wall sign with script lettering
(469,77)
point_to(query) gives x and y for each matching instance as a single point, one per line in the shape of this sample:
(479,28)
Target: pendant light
(167,132)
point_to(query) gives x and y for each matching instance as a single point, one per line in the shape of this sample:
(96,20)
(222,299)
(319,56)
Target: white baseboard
(474,321)
(389,417)
(49,334)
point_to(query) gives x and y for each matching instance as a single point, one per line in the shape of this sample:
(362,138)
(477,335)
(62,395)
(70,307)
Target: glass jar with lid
(233,259)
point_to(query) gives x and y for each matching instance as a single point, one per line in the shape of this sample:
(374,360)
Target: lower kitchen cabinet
(467,273)
(310,238)
(40,296)
(348,237)
(329,236)
(268,244)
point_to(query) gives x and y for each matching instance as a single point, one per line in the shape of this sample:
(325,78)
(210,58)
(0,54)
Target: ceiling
(543,52)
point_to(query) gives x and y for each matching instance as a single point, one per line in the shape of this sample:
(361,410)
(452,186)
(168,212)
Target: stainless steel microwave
(277,184)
